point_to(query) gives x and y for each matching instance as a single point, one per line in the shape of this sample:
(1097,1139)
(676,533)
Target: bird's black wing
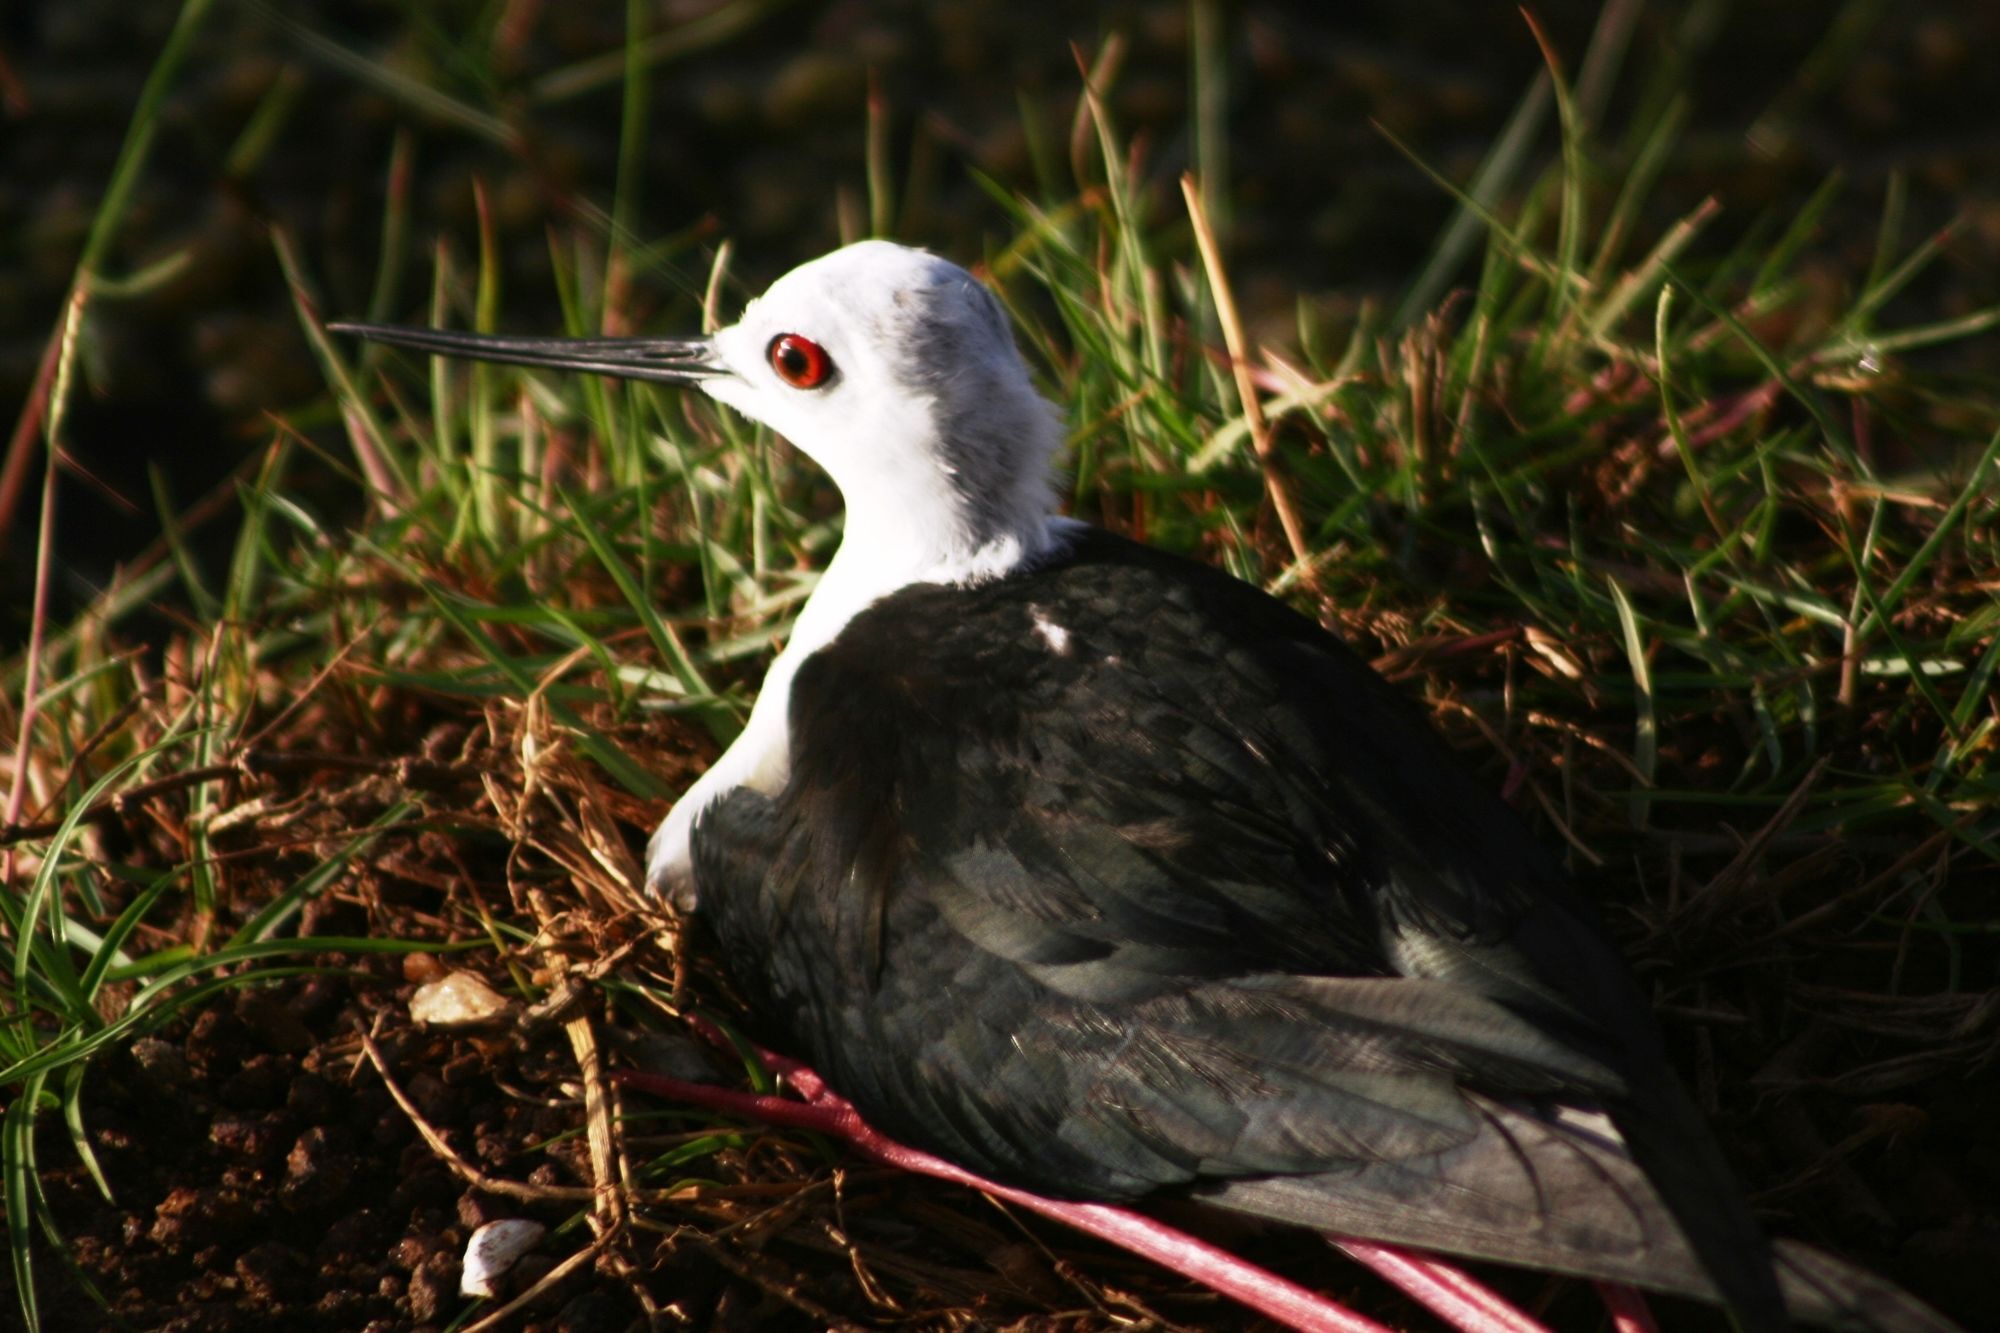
(1117,875)
(1555,1192)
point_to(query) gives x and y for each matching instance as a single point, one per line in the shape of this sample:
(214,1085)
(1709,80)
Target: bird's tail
(1559,1194)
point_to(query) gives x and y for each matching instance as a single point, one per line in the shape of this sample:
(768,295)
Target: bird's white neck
(945,472)
(912,533)
(881,552)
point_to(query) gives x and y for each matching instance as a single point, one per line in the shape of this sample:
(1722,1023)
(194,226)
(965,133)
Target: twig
(789,1293)
(607,1214)
(1928,847)
(99,734)
(300,698)
(1723,893)
(1421,655)
(1246,388)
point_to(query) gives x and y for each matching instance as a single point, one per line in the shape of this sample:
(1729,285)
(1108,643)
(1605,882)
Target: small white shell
(457,999)
(493,1250)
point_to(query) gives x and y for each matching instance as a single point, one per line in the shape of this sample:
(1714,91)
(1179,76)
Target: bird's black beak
(662,360)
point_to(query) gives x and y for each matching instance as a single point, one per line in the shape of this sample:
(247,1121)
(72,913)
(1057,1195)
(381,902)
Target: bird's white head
(894,369)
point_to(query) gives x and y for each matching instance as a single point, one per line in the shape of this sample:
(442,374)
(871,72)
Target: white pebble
(457,999)
(494,1249)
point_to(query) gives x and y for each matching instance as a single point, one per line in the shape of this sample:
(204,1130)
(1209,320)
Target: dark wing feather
(1194,900)
(1556,1194)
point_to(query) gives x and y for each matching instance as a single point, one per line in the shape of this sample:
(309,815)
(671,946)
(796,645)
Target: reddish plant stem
(20,446)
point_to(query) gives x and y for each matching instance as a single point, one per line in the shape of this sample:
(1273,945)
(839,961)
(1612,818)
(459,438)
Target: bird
(1099,872)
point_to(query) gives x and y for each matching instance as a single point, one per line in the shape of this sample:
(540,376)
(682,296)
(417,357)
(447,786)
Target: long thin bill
(662,360)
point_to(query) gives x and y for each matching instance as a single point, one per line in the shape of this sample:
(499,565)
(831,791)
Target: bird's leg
(1263,1291)
(1447,1291)
(1629,1311)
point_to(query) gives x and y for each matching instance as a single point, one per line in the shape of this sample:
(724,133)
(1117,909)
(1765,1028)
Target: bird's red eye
(800,362)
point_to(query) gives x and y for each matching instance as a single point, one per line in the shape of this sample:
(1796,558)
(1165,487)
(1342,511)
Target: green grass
(1691,560)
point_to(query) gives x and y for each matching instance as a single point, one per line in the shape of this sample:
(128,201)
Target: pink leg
(1262,1291)
(1629,1311)
(1448,1292)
